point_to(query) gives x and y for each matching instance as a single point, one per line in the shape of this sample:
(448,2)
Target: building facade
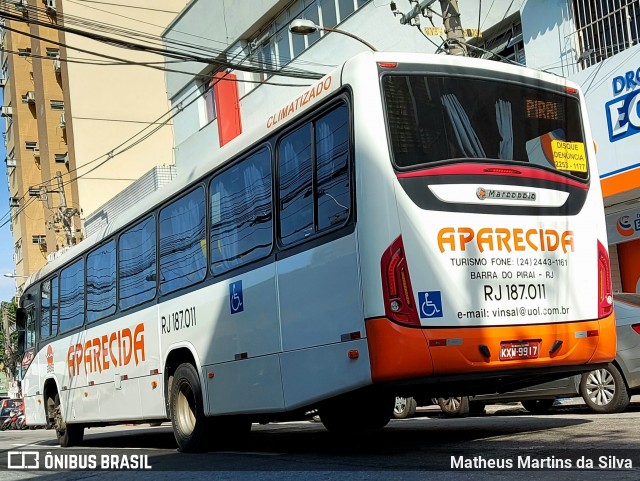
(591,42)
(74,108)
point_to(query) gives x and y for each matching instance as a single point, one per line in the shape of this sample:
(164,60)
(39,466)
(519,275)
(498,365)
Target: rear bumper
(449,356)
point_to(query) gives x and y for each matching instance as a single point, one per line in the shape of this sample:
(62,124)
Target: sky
(7,285)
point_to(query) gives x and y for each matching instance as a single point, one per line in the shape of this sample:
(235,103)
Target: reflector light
(391,272)
(605,288)
(124,377)
(210,375)
(353,354)
(437,342)
(154,384)
(91,383)
(498,170)
(405,289)
(153,371)
(592,333)
(636,327)
(387,64)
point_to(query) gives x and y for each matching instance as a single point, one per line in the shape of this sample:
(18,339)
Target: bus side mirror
(21,316)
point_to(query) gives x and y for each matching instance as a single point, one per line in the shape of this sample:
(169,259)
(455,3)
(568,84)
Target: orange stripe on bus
(396,352)
(619,183)
(607,343)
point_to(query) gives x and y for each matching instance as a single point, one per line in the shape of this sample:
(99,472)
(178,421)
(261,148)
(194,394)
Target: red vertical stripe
(225,92)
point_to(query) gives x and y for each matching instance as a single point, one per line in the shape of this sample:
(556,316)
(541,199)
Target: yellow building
(67,104)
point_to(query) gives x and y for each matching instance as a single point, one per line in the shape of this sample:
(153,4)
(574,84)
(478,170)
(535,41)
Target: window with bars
(504,43)
(605,28)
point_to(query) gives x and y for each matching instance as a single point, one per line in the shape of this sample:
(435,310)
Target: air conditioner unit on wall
(31,97)
(57,65)
(63,122)
(20,5)
(14,202)
(36,153)
(5,111)
(11,161)
(3,82)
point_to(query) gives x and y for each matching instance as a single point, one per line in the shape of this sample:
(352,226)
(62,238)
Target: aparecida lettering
(504,239)
(111,350)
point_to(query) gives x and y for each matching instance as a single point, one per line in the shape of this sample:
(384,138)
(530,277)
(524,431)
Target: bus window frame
(191,188)
(343,97)
(152,214)
(86,256)
(268,147)
(477,74)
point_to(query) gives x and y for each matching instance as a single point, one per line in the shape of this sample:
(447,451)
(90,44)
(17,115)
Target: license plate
(519,350)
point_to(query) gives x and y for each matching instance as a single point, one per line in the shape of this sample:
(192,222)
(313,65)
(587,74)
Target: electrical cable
(288,72)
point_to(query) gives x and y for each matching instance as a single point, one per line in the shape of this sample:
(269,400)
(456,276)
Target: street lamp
(302,26)
(13,275)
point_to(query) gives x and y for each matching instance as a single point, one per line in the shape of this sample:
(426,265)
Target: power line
(285,71)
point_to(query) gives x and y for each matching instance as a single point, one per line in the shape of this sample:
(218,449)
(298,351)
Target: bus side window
(137,264)
(241,216)
(55,311)
(45,310)
(295,176)
(72,296)
(30,339)
(101,282)
(332,165)
(183,254)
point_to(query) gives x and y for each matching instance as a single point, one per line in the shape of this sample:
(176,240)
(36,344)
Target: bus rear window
(440,118)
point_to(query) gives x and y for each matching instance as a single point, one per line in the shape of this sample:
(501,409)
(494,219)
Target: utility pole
(65,214)
(453,27)
(454,44)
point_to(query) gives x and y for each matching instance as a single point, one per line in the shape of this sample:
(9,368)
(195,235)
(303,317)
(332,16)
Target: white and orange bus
(410,224)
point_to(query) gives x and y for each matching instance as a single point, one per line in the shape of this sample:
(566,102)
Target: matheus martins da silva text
(548,462)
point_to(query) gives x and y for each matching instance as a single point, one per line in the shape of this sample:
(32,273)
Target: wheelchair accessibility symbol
(430,304)
(235,297)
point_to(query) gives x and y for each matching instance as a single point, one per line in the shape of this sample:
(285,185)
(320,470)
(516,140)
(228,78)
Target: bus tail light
(636,327)
(396,286)
(605,289)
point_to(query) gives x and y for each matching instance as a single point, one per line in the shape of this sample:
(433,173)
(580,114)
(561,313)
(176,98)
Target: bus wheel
(604,390)
(357,413)
(187,412)
(405,407)
(68,434)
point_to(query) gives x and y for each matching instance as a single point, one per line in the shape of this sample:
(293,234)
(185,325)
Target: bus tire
(68,434)
(538,406)
(405,407)
(604,390)
(187,410)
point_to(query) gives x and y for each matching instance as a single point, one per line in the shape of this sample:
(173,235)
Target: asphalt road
(424,448)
